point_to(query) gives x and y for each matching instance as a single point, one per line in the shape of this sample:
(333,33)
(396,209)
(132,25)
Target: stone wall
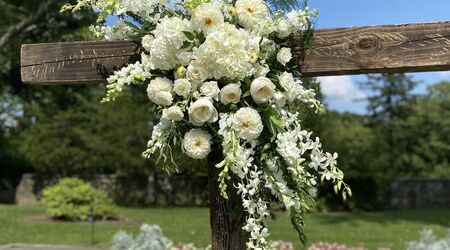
(151,190)
(419,192)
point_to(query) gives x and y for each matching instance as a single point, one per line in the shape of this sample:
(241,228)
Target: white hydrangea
(197,143)
(207,17)
(227,52)
(165,49)
(247,123)
(159,91)
(202,111)
(251,12)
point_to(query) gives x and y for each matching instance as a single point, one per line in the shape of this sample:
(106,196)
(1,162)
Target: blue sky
(341,91)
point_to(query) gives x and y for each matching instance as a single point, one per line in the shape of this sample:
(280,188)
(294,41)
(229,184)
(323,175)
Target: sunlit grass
(375,229)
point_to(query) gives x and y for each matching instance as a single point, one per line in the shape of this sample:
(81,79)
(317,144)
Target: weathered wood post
(340,51)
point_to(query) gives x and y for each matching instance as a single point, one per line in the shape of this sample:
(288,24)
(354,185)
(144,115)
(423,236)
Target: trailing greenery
(73,199)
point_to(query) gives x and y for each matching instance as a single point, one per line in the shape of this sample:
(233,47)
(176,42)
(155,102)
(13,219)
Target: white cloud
(340,89)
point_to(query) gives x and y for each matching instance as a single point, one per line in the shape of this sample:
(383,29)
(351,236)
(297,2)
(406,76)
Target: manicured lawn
(380,229)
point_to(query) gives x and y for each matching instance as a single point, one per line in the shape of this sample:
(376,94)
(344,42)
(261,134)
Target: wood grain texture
(339,51)
(75,62)
(377,49)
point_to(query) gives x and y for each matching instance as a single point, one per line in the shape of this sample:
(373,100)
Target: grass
(369,229)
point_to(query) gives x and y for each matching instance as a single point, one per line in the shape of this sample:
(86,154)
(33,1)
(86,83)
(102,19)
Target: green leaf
(189,35)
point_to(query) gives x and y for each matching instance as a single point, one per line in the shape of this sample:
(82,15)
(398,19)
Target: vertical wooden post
(226,217)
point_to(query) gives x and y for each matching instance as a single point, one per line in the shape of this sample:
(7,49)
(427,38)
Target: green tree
(87,137)
(389,103)
(426,132)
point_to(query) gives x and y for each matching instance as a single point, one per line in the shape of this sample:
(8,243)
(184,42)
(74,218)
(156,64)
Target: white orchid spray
(221,72)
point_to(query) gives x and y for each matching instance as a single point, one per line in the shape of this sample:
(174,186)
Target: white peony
(202,111)
(196,73)
(247,123)
(207,17)
(159,91)
(210,89)
(182,87)
(173,113)
(251,12)
(284,56)
(231,93)
(262,89)
(197,143)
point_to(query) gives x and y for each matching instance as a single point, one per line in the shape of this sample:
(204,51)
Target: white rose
(147,42)
(196,73)
(284,55)
(251,12)
(197,143)
(247,123)
(231,93)
(210,89)
(207,17)
(182,87)
(173,113)
(262,89)
(159,91)
(202,111)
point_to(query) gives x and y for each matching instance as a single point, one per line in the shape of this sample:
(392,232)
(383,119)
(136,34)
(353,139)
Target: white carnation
(159,91)
(284,56)
(247,123)
(202,111)
(231,93)
(173,113)
(262,89)
(182,87)
(207,17)
(251,12)
(197,143)
(210,89)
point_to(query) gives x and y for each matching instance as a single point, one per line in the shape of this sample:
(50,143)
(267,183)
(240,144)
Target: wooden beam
(339,51)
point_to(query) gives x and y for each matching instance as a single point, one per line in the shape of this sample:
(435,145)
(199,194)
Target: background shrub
(73,199)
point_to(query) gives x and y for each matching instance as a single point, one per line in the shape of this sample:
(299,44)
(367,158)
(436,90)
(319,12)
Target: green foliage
(73,199)
(74,134)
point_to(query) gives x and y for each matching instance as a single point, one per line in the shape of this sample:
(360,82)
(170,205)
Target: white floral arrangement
(221,73)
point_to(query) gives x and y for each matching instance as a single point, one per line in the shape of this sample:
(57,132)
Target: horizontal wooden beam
(339,51)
